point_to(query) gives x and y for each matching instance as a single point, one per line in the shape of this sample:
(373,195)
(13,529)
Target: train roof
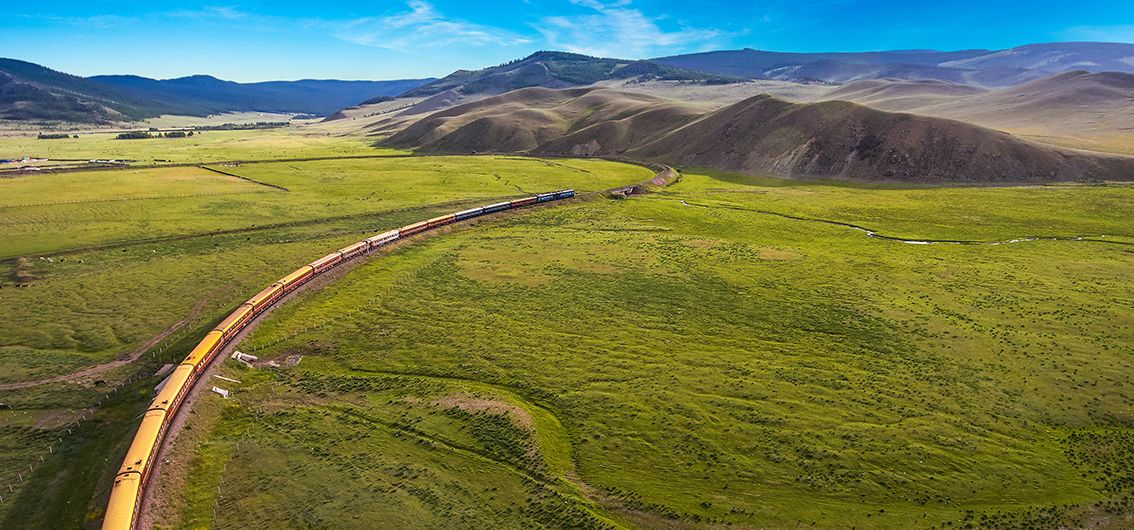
(123,500)
(334,256)
(204,348)
(226,325)
(353,247)
(145,441)
(299,273)
(173,385)
(384,235)
(265,294)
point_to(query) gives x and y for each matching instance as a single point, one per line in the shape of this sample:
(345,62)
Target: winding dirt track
(121,361)
(664,176)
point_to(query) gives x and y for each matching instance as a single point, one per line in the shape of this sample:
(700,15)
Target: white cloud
(421,27)
(617,30)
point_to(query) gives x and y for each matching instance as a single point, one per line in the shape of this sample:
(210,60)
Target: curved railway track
(128,493)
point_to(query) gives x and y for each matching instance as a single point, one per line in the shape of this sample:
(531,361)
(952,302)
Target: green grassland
(91,208)
(697,358)
(203,146)
(106,260)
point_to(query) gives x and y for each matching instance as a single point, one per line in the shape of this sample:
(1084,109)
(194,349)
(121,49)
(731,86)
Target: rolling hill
(900,94)
(1079,102)
(1093,110)
(559,70)
(761,134)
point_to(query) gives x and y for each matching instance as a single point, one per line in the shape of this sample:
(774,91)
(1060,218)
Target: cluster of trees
(55,136)
(141,135)
(242,126)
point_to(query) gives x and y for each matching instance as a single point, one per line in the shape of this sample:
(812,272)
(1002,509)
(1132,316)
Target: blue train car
(544,197)
(498,207)
(565,194)
(469,214)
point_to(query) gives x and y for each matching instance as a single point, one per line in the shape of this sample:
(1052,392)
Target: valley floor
(716,353)
(728,351)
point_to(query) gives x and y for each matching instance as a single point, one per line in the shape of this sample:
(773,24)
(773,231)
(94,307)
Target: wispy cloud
(216,12)
(421,26)
(94,21)
(1116,33)
(614,28)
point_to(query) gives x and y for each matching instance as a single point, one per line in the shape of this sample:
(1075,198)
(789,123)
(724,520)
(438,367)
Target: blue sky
(281,39)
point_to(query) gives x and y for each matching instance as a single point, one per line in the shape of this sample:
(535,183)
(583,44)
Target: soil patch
(474,403)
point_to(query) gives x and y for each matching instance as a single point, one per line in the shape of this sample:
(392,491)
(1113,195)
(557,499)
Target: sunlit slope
(760,135)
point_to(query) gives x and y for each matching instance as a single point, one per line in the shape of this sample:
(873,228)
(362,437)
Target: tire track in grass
(121,361)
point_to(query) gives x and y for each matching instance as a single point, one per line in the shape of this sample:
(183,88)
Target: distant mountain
(985,68)
(756,63)
(203,95)
(32,92)
(761,134)
(559,70)
(1056,57)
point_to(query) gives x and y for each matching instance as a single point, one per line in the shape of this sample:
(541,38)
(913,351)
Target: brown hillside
(840,139)
(1075,102)
(525,119)
(1080,109)
(761,134)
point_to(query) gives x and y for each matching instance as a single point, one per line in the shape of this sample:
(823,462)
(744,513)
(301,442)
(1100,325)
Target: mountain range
(552,69)
(983,68)
(32,92)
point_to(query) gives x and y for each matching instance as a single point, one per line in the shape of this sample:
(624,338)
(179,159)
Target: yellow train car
(297,278)
(235,321)
(440,220)
(144,447)
(125,498)
(203,353)
(176,386)
(265,298)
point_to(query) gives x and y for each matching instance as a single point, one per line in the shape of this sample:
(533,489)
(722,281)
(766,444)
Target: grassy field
(111,259)
(203,146)
(696,358)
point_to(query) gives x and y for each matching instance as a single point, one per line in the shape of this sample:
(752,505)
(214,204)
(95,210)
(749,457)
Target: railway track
(128,497)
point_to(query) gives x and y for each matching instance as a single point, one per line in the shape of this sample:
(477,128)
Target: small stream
(874,234)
